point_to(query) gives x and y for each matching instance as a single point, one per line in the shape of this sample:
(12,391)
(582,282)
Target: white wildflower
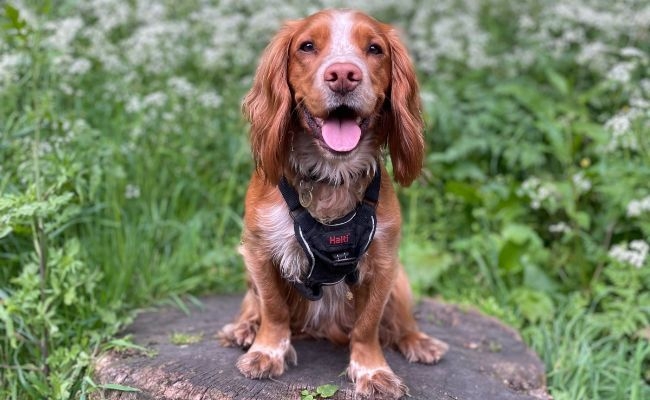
(573,36)
(622,72)
(148,11)
(128,148)
(619,124)
(44,147)
(106,53)
(66,88)
(157,47)
(168,116)
(428,98)
(155,99)
(594,55)
(210,100)
(64,32)
(560,227)
(110,14)
(585,14)
(633,52)
(634,254)
(133,105)
(225,43)
(637,207)
(543,192)
(132,191)
(136,132)
(537,191)
(181,86)
(477,57)
(79,66)
(78,126)
(526,22)
(638,102)
(580,182)
(645,85)
(10,64)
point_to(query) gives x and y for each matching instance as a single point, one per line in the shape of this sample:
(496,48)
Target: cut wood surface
(486,360)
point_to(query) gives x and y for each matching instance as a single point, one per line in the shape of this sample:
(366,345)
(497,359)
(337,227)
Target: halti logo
(341,239)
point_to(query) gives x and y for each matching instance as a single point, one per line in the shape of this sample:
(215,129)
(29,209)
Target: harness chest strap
(333,249)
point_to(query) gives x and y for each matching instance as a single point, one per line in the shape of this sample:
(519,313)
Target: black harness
(333,249)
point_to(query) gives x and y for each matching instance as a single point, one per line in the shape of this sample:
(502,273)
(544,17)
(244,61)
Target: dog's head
(329,92)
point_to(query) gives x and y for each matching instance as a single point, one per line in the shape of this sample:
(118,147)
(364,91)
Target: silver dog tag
(304,196)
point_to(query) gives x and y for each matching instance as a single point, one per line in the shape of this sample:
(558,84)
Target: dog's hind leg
(242,331)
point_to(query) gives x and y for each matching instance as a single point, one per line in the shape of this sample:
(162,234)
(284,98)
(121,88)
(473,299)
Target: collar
(292,197)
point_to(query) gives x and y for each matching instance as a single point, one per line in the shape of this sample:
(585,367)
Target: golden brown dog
(331,92)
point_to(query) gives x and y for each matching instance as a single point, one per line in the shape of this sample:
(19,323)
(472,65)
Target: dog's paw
(418,347)
(376,383)
(240,334)
(267,362)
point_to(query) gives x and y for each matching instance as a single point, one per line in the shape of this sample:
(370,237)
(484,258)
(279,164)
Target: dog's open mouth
(341,131)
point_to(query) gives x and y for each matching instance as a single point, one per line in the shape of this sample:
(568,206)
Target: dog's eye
(375,49)
(307,47)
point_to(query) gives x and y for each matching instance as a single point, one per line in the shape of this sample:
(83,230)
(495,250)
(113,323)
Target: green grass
(124,161)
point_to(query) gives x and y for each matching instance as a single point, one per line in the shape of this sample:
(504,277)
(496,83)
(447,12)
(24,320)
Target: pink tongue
(341,134)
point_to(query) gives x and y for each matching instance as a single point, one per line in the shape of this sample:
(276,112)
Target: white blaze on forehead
(341,35)
(343,49)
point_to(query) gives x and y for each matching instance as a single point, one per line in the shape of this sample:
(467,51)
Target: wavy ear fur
(267,106)
(405,124)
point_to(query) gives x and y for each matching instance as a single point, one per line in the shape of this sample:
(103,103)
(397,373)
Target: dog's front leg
(368,368)
(272,348)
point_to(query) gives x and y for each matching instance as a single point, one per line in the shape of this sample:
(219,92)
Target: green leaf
(183,338)
(4,231)
(536,278)
(583,219)
(463,190)
(123,344)
(533,305)
(118,387)
(326,391)
(558,82)
(556,138)
(519,234)
(8,321)
(14,17)
(510,255)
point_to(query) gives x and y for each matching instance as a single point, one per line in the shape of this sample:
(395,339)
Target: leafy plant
(181,338)
(322,392)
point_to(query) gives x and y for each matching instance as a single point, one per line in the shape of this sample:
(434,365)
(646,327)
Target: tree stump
(486,360)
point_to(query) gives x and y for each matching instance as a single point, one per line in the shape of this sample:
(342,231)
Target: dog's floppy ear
(404,123)
(267,106)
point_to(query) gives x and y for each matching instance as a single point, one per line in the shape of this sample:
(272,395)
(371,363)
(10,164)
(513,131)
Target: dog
(322,221)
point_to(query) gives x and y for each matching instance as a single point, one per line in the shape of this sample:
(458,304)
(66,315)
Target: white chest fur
(278,238)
